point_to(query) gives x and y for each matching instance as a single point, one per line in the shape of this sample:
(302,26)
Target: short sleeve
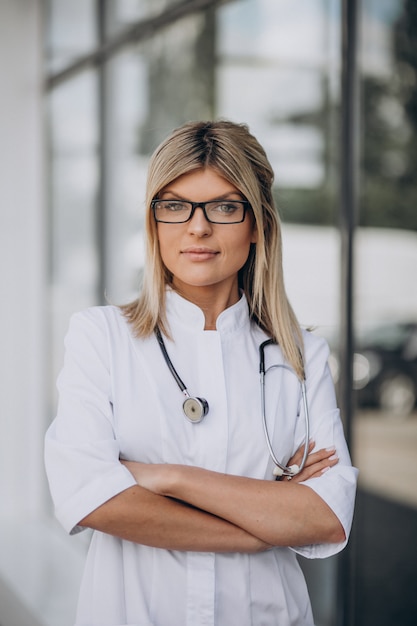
(337,486)
(81,451)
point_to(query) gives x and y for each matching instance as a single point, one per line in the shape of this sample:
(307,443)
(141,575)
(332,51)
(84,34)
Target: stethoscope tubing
(280,469)
(168,361)
(195,409)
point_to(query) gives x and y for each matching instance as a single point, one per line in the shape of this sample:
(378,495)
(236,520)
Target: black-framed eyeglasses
(215,211)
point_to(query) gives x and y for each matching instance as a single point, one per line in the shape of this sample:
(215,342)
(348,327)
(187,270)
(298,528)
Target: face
(201,256)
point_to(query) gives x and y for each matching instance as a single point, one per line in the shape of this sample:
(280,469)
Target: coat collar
(181,311)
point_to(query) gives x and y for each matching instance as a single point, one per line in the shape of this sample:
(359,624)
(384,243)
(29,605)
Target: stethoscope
(280,469)
(195,409)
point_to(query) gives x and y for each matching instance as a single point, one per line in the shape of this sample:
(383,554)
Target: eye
(172,205)
(226,207)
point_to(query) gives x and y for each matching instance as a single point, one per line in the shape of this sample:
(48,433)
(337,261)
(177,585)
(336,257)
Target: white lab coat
(119,399)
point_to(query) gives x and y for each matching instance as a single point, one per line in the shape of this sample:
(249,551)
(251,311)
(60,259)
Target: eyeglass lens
(218,212)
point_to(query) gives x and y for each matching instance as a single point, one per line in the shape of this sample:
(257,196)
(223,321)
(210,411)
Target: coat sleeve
(81,451)
(337,486)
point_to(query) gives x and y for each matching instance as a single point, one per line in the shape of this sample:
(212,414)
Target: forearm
(279,513)
(140,516)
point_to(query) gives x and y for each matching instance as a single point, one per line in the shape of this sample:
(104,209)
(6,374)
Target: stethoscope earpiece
(195,409)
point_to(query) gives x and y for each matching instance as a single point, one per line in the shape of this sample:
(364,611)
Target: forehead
(201,184)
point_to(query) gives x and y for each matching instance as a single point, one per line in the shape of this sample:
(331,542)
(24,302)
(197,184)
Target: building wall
(31,550)
(22,258)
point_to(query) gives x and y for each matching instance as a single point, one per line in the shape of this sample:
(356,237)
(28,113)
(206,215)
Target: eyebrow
(225,196)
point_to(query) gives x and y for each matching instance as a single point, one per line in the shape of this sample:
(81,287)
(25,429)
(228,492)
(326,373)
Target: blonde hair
(236,155)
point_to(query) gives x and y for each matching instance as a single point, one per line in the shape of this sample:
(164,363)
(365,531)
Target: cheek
(165,243)
(167,257)
(240,252)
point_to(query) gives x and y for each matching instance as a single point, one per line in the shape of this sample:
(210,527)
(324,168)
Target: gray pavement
(384,449)
(384,536)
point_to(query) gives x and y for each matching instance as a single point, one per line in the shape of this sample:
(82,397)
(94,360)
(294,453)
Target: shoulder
(316,351)
(109,315)
(96,323)
(314,343)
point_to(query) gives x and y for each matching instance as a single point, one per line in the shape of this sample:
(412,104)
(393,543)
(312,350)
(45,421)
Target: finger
(297,457)
(320,455)
(322,471)
(312,458)
(316,469)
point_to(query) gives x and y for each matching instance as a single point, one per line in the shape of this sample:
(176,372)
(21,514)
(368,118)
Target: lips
(199,253)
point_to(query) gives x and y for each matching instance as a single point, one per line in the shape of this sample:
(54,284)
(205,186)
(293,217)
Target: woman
(191,527)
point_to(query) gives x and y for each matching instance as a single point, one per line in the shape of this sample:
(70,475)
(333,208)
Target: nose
(199,224)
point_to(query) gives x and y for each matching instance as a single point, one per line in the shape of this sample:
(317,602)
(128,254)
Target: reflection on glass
(71,31)
(147,97)
(127,106)
(288,94)
(285,88)
(120,14)
(180,77)
(74,181)
(385,305)
(389,192)
(386,296)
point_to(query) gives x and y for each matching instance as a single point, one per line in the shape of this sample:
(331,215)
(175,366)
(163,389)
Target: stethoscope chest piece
(195,409)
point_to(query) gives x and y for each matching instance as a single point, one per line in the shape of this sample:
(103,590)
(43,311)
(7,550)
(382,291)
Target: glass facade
(385,362)
(276,65)
(73,184)
(71,31)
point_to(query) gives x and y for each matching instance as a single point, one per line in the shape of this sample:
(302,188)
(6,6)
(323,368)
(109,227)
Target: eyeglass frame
(202,205)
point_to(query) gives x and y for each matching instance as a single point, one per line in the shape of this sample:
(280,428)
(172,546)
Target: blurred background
(329,87)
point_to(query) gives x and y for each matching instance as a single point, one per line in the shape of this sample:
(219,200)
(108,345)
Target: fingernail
(325,469)
(330,449)
(333,458)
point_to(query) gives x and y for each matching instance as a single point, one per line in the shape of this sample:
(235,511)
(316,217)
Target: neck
(211,300)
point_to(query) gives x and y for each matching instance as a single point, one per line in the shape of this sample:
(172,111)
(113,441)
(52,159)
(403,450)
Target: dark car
(385,368)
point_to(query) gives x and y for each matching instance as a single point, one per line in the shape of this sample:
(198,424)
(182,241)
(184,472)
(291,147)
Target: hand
(316,464)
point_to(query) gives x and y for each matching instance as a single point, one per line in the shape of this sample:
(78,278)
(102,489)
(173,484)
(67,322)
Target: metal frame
(101,206)
(348,209)
(139,31)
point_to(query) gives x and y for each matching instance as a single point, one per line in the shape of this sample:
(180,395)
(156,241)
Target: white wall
(35,588)
(22,259)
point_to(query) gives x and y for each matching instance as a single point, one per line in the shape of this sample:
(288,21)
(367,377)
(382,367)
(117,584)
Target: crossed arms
(180,507)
